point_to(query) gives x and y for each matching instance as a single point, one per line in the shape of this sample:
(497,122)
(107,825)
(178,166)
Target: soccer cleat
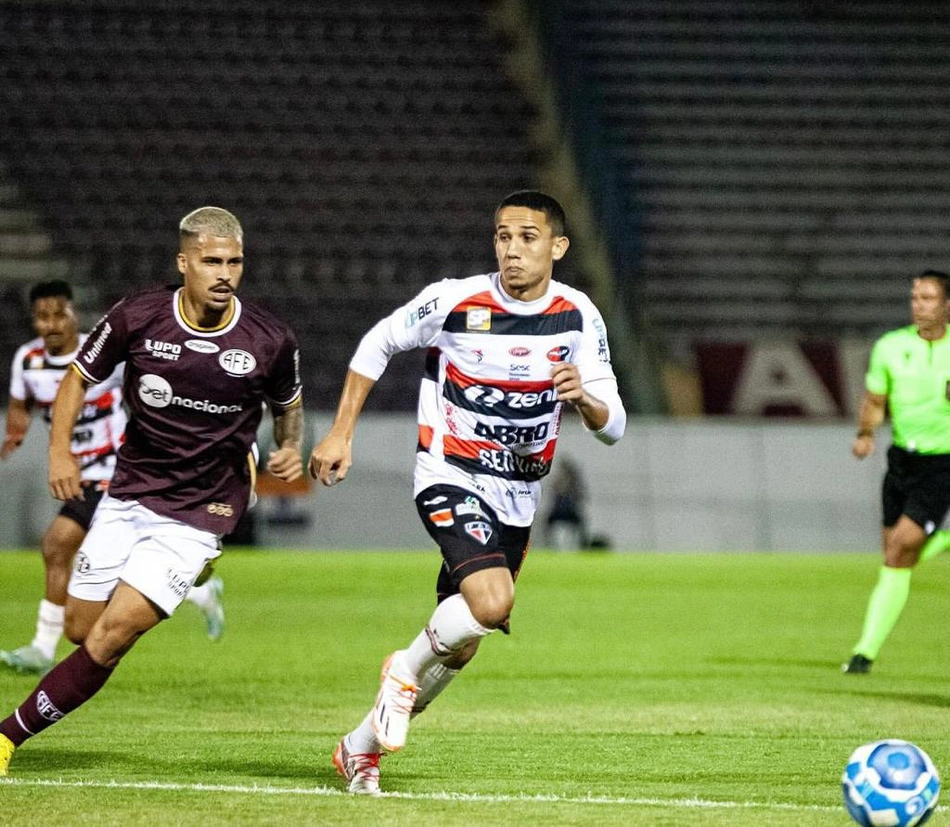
(27,660)
(360,769)
(393,707)
(214,611)
(858,665)
(6,753)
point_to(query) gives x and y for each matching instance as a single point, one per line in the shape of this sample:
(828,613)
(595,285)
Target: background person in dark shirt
(199,362)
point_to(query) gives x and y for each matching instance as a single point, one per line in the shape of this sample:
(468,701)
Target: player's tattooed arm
(285,463)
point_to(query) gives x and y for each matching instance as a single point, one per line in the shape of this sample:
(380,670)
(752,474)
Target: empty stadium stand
(363,145)
(790,159)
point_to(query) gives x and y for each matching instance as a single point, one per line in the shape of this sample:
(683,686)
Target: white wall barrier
(669,485)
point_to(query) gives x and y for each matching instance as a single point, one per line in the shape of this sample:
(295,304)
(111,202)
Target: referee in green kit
(909,374)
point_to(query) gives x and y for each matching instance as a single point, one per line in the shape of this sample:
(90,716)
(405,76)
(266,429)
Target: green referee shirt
(914,374)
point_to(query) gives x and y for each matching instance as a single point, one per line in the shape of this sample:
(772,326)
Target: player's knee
(492,609)
(75,627)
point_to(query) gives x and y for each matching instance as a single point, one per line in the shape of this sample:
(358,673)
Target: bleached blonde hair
(213,221)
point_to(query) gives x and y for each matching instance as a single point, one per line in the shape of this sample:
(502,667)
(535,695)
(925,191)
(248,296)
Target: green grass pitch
(671,689)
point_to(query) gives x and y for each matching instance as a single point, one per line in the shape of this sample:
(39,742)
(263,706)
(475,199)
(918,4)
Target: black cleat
(858,665)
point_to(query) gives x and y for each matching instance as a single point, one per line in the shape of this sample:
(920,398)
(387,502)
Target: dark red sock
(68,685)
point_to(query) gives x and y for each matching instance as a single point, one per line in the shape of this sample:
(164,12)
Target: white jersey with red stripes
(488,413)
(35,378)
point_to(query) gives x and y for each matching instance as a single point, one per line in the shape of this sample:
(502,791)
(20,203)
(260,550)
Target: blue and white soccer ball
(890,784)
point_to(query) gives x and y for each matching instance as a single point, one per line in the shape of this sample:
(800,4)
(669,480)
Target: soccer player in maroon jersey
(199,362)
(38,367)
(506,351)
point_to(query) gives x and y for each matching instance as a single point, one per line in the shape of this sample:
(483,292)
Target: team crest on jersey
(479,530)
(36,362)
(237,362)
(478,318)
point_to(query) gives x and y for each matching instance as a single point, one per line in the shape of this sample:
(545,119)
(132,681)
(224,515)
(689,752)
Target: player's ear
(561,243)
(181,263)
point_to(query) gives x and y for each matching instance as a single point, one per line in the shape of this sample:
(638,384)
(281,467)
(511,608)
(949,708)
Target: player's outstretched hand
(331,459)
(64,477)
(285,464)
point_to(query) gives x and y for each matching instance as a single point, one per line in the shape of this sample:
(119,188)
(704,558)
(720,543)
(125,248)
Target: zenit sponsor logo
(155,392)
(489,397)
(163,350)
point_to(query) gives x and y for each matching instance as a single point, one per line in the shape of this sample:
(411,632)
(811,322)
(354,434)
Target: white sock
(451,626)
(437,677)
(363,738)
(49,627)
(200,595)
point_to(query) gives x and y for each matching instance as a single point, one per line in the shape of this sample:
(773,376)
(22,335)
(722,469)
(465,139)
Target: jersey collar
(227,324)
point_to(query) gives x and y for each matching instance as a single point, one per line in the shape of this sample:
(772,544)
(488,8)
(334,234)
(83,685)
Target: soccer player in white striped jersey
(506,351)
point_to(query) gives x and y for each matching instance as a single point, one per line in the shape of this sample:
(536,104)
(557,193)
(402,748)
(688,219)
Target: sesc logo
(237,362)
(155,391)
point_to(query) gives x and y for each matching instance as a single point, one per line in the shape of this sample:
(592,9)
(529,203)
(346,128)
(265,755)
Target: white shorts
(157,556)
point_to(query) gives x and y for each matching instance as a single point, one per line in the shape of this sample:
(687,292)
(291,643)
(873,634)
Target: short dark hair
(51,289)
(940,277)
(540,201)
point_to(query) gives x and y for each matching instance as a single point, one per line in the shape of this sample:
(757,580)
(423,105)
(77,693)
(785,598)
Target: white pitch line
(329,792)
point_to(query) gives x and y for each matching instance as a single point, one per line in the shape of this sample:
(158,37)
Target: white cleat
(27,660)
(393,707)
(214,611)
(360,769)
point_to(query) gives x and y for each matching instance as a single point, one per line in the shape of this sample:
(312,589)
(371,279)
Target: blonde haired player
(37,370)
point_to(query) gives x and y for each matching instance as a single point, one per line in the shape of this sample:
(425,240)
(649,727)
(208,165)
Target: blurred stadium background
(750,187)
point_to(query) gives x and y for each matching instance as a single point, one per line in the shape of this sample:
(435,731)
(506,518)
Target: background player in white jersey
(199,364)
(38,368)
(506,351)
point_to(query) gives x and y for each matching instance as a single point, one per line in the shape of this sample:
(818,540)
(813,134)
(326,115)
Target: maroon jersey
(195,402)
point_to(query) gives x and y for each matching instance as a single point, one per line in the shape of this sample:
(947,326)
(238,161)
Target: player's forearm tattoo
(288,428)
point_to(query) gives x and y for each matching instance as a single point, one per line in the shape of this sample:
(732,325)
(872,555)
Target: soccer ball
(890,784)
